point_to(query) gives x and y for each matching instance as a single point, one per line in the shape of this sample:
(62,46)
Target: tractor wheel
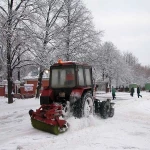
(31,112)
(84,107)
(105,109)
(111,113)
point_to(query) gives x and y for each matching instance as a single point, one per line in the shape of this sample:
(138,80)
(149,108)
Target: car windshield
(63,77)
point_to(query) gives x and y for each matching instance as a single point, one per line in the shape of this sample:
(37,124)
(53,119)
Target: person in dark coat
(138,92)
(113,93)
(132,91)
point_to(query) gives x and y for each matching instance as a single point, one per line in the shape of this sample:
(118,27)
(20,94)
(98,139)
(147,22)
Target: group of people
(138,92)
(132,92)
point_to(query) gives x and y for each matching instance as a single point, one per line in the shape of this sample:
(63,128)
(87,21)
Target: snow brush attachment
(49,118)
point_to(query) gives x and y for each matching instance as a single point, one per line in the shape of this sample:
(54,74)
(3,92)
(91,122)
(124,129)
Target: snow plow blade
(49,118)
(45,127)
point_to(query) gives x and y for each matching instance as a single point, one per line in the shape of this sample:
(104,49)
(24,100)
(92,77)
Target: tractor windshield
(62,77)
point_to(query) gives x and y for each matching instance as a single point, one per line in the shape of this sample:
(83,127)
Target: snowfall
(129,129)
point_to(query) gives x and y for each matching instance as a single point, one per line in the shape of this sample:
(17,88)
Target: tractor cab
(67,78)
(70,75)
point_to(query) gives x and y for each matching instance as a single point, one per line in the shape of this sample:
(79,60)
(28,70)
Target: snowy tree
(147,71)
(63,30)
(78,39)
(12,14)
(111,64)
(130,59)
(108,61)
(124,74)
(44,31)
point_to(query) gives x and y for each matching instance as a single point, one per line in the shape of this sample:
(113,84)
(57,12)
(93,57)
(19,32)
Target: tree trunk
(19,75)
(10,83)
(9,46)
(9,74)
(68,34)
(110,84)
(39,83)
(19,68)
(103,74)
(9,70)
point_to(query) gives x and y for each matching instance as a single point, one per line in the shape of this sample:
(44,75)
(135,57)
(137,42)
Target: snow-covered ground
(129,129)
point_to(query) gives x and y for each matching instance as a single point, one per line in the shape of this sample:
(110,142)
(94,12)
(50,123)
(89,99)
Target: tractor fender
(77,94)
(47,96)
(47,92)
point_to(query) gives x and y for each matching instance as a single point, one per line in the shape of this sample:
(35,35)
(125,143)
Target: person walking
(138,92)
(132,91)
(113,93)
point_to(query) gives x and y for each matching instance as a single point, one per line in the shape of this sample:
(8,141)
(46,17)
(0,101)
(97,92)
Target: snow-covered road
(128,129)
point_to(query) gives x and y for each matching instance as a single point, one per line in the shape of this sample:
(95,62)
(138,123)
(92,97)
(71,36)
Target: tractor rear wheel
(105,109)
(111,113)
(85,106)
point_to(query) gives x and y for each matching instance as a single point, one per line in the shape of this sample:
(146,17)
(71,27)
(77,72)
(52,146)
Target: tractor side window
(88,77)
(62,77)
(54,82)
(81,77)
(58,77)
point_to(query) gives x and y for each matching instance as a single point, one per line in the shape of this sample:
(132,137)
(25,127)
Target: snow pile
(77,124)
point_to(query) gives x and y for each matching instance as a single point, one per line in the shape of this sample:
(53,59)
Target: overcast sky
(126,23)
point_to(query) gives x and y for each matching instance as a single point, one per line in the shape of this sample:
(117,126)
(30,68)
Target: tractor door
(85,77)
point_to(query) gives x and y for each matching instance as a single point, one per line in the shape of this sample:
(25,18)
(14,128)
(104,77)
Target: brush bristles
(45,127)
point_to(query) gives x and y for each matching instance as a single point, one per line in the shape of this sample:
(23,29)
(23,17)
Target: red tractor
(70,92)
